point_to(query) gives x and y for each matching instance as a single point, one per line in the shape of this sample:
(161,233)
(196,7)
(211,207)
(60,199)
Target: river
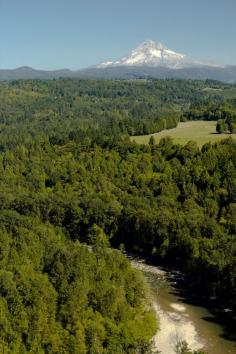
(179,319)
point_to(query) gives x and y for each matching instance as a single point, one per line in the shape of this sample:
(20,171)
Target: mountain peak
(153,54)
(150,44)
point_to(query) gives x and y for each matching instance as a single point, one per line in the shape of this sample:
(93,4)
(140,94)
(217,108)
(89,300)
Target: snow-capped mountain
(148,60)
(153,54)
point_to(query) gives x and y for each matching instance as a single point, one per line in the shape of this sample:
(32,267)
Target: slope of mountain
(227,74)
(153,54)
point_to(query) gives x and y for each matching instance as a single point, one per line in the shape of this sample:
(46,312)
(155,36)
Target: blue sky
(52,34)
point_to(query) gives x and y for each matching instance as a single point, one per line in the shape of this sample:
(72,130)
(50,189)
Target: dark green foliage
(98,112)
(223,111)
(183,348)
(58,296)
(227,125)
(221,126)
(69,174)
(175,203)
(152,141)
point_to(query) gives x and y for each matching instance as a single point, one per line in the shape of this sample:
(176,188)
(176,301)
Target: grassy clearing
(226,93)
(199,131)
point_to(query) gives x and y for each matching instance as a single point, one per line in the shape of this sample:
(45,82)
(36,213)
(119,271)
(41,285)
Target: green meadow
(199,131)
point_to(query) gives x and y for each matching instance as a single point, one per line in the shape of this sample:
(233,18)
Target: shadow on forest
(225,133)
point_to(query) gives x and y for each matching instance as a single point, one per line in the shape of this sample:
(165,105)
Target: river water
(179,320)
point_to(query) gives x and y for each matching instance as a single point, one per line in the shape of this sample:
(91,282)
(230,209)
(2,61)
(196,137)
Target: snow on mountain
(153,54)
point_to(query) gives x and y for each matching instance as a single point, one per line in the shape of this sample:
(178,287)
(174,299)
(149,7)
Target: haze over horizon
(74,34)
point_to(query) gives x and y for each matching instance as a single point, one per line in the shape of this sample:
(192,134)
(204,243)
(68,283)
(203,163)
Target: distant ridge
(26,72)
(227,74)
(148,60)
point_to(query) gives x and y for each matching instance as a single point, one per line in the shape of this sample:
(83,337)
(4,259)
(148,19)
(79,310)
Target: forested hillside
(58,296)
(101,111)
(222,112)
(70,177)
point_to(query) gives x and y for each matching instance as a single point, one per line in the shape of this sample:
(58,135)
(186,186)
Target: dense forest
(100,112)
(223,112)
(73,185)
